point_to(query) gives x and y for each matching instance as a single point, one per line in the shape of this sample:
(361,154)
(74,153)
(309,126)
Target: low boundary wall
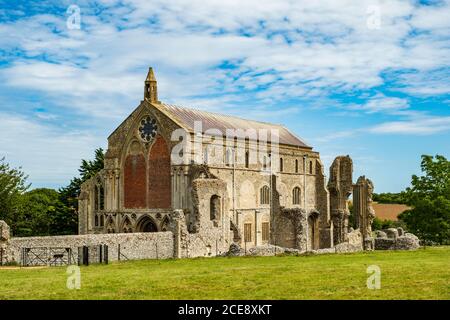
(121,246)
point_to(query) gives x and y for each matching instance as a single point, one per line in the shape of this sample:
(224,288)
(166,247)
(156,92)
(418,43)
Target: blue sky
(364,78)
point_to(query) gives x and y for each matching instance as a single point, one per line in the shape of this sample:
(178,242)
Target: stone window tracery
(264,195)
(127,227)
(99,200)
(148,129)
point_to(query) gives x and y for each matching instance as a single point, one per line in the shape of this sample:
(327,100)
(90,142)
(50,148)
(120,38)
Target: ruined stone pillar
(4,242)
(177,225)
(363,210)
(340,188)
(323,208)
(83,212)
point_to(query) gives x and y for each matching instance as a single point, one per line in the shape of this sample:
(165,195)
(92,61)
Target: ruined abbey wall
(132,246)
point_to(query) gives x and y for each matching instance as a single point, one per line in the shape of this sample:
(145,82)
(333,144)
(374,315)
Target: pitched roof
(388,211)
(187,116)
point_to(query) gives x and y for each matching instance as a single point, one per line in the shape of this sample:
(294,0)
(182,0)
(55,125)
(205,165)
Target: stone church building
(218,189)
(181,183)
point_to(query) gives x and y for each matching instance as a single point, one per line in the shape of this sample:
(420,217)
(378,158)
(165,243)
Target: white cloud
(330,49)
(424,126)
(47,155)
(381,103)
(414,126)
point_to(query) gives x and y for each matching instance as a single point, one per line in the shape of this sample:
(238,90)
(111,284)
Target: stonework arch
(296,197)
(127,226)
(110,225)
(165,224)
(264,195)
(159,178)
(146,224)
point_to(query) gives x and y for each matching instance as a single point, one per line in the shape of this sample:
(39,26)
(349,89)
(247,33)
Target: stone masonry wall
(134,246)
(4,241)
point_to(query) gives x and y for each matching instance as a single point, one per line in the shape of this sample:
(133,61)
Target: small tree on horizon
(13,184)
(429,197)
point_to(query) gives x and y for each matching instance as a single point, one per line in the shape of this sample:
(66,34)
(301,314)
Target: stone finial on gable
(151,87)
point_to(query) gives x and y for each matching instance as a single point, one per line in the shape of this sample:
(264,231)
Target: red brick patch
(159,189)
(135,182)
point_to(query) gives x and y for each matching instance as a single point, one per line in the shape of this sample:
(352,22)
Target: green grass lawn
(421,274)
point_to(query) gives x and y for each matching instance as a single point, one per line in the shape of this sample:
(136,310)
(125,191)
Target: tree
(390,197)
(88,169)
(12,185)
(42,211)
(429,195)
(379,224)
(434,183)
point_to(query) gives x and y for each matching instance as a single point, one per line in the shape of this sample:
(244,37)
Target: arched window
(247,160)
(310,167)
(296,166)
(95,198)
(101,197)
(146,224)
(296,195)
(264,195)
(102,220)
(214,208)
(281,165)
(96,220)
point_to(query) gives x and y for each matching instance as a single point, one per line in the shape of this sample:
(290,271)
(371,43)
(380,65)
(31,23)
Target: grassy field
(422,274)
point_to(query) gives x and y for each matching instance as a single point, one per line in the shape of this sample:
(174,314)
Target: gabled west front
(215,180)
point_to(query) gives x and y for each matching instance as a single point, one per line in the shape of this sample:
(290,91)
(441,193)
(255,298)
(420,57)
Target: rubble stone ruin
(340,187)
(363,210)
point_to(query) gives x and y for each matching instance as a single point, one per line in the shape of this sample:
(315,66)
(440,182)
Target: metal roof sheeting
(187,116)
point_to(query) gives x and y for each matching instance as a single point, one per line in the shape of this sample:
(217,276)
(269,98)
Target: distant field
(421,274)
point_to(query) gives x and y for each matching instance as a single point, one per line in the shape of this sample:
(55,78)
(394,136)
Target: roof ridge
(221,114)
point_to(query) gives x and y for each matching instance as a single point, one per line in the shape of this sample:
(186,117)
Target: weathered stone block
(391,233)
(380,234)
(406,242)
(4,231)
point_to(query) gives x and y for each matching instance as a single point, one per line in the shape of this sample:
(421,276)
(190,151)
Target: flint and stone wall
(133,246)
